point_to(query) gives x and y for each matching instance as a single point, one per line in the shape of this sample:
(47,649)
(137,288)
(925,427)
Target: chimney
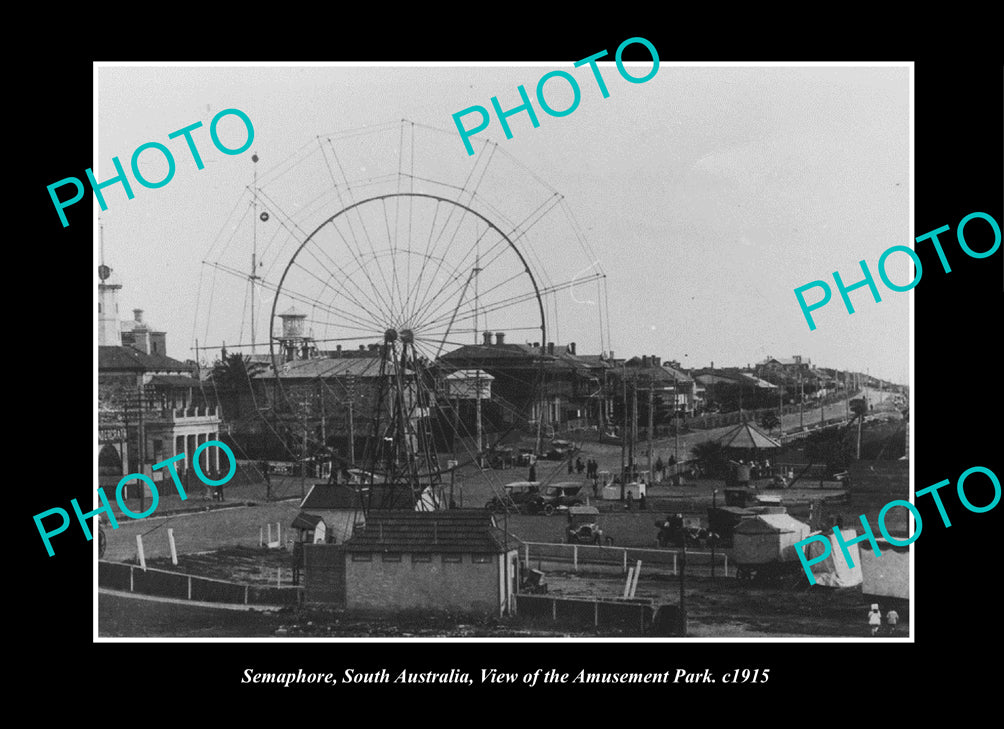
(536,345)
(610,355)
(487,338)
(137,314)
(362,347)
(550,348)
(338,348)
(571,347)
(657,361)
(644,360)
(500,338)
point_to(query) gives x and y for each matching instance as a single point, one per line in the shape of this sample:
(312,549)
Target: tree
(712,457)
(232,376)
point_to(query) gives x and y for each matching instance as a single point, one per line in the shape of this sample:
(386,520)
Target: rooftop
(454,530)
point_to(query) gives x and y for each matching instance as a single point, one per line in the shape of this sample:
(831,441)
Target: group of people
(760,468)
(661,468)
(875,620)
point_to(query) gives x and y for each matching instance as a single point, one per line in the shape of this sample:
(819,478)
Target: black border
(958,171)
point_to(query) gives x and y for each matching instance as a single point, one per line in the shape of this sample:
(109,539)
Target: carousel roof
(747,436)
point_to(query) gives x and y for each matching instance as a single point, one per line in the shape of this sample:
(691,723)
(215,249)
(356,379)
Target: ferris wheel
(380,254)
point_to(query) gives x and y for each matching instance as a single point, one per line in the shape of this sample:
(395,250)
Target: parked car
(583,526)
(560,450)
(559,497)
(501,457)
(519,496)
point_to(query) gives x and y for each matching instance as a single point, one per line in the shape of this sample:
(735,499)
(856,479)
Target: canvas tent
(767,538)
(834,571)
(888,575)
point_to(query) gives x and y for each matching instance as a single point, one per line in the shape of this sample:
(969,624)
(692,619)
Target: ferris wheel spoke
(449,246)
(385,306)
(444,290)
(391,241)
(421,274)
(346,277)
(355,318)
(482,308)
(344,292)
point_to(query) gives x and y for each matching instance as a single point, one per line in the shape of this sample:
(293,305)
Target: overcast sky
(707,194)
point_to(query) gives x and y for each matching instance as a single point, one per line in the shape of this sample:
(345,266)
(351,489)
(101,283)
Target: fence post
(526,555)
(575,557)
(726,564)
(139,547)
(625,560)
(189,587)
(674,565)
(130,578)
(174,550)
(245,594)
(596,613)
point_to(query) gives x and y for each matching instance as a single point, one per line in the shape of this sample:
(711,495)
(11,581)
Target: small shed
(455,559)
(310,528)
(767,538)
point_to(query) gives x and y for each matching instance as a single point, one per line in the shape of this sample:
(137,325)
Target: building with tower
(150,407)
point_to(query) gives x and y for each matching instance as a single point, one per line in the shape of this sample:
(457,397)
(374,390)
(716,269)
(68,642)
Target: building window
(421,558)
(481,558)
(453,558)
(362,557)
(391,556)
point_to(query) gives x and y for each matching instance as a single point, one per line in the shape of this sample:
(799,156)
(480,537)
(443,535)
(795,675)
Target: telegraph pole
(651,407)
(801,400)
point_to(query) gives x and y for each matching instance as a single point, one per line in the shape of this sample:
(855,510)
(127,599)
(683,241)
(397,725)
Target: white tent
(833,571)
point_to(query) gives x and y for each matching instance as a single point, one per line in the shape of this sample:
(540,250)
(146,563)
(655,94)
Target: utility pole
(683,605)
(624,429)
(676,428)
(801,400)
(254,244)
(847,396)
(303,452)
(651,407)
(634,424)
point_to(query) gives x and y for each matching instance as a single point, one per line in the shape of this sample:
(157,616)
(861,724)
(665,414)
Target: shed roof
(306,521)
(453,531)
(771,523)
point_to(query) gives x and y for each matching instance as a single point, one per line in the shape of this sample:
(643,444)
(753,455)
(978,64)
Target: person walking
(533,472)
(875,619)
(892,619)
(579,466)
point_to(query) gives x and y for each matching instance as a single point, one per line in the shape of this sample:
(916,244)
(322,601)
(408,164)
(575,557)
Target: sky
(705,195)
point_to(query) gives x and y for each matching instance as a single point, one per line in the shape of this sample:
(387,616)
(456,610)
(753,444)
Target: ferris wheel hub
(390,335)
(407,336)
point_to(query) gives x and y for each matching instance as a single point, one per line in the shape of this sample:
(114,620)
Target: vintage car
(559,497)
(520,496)
(560,450)
(583,526)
